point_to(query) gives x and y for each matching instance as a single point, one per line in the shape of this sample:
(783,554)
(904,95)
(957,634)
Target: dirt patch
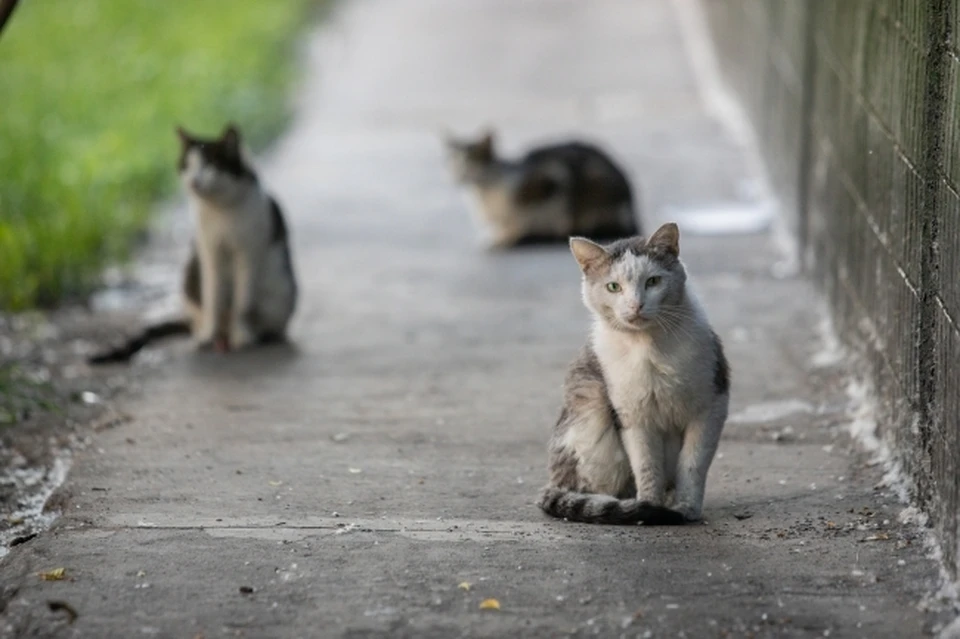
(51,402)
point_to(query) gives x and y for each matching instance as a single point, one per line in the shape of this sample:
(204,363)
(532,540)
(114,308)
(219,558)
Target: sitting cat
(239,286)
(551,193)
(647,398)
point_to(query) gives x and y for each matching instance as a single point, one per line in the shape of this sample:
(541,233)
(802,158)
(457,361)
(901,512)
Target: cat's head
(633,284)
(214,168)
(470,159)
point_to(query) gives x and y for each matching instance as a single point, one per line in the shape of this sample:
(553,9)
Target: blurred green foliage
(91,91)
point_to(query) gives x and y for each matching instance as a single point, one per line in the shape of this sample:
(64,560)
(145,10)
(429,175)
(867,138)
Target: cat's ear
(589,255)
(487,141)
(450,141)
(231,137)
(183,136)
(667,239)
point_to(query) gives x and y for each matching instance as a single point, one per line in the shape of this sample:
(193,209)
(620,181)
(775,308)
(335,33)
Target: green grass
(91,91)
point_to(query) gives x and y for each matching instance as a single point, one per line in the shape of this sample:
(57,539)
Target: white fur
(601,459)
(238,262)
(663,394)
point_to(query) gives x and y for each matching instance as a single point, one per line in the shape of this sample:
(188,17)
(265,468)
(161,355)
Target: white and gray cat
(551,193)
(239,286)
(647,398)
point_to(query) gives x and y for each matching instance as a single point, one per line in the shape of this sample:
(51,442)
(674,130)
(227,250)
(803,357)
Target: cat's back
(596,187)
(583,159)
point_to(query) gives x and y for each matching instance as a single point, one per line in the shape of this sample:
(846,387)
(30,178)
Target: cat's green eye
(613,287)
(652,281)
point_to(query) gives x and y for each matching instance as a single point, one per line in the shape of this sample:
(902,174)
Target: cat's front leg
(211,297)
(700,441)
(502,241)
(504,235)
(645,449)
(242,332)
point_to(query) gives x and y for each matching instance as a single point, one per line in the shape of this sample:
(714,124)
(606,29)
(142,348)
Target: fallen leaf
(489,604)
(275,483)
(464,585)
(57,574)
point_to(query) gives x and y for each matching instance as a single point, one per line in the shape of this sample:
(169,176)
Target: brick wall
(856,104)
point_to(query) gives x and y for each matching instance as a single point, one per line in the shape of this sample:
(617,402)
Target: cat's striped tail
(591,508)
(134,345)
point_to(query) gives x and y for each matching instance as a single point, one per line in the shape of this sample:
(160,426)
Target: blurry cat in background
(552,192)
(239,286)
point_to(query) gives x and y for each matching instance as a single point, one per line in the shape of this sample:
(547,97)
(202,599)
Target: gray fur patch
(191,278)
(277,222)
(721,371)
(640,247)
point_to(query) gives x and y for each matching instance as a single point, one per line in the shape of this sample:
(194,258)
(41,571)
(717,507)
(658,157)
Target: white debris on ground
(832,352)
(951,630)
(35,485)
(346,529)
(765,412)
(863,429)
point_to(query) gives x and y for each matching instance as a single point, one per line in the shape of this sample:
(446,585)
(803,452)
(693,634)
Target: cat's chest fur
(648,386)
(493,202)
(243,225)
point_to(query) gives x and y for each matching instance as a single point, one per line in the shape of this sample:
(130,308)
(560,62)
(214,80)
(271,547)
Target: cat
(646,399)
(551,193)
(239,286)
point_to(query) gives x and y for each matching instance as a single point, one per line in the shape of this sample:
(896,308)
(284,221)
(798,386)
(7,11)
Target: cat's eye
(613,287)
(652,281)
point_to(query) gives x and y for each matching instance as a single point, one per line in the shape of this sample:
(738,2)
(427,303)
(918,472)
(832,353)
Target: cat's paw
(691,514)
(501,244)
(204,336)
(216,344)
(241,336)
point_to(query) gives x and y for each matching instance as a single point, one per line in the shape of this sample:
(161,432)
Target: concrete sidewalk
(355,481)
